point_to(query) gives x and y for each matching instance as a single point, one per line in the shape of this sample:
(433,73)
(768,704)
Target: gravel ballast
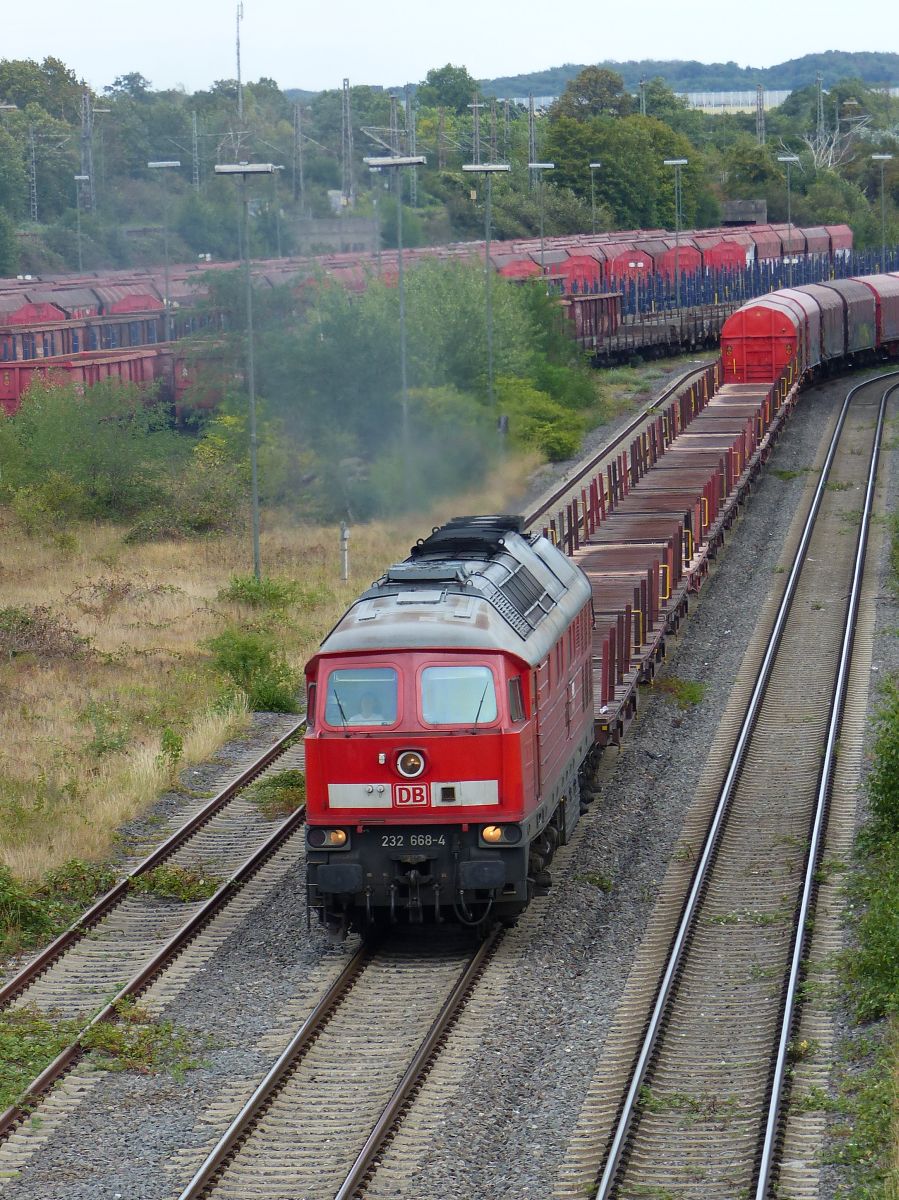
(507,1123)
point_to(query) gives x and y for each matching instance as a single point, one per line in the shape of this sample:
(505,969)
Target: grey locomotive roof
(475,583)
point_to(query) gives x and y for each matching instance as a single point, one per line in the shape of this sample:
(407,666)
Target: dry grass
(81,748)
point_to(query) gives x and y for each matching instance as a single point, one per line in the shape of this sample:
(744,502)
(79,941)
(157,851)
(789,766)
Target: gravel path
(507,1121)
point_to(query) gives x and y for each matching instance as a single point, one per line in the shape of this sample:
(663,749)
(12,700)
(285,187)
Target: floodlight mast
(488,170)
(677,163)
(594,166)
(789,159)
(386,163)
(242,170)
(883,159)
(165,165)
(538,168)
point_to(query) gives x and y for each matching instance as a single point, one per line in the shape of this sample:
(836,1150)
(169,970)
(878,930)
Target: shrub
(202,500)
(44,508)
(76,883)
(40,632)
(252,661)
(24,920)
(261,593)
(108,458)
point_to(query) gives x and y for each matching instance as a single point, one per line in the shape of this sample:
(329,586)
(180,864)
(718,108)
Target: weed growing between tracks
(281,794)
(177,883)
(30,1039)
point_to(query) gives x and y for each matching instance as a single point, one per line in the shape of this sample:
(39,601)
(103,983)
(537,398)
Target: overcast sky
(191,43)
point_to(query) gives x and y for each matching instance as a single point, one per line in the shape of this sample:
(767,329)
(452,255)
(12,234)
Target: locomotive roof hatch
(473,583)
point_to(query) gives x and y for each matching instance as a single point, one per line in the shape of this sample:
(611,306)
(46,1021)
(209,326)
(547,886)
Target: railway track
(316,1122)
(135,937)
(699,1102)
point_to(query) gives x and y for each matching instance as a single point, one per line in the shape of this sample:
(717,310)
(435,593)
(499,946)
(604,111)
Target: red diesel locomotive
(450,717)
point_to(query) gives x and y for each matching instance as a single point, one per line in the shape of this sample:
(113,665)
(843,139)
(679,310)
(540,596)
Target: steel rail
(772,1122)
(307,1034)
(547,502)
(161,959)
(289,1057)
(99,909)
(700,875)
(417,1070)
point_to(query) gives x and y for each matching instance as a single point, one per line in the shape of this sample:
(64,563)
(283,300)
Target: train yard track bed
(495,1116)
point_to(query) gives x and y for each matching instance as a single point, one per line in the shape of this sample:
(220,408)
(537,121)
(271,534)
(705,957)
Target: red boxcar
(720,253)
(627,262)
(759,340)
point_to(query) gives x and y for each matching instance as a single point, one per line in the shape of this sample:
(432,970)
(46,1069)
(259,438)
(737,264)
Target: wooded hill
(877,69)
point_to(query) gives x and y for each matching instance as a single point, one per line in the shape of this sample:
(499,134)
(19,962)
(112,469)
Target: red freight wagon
(792,239)
(720,254)
(809,314)
(515,266)
(627,262)
(768,244)
(76,303)
(549,258)
(840,240)
(832,339)
(19,310)
(817,240)
(886,300)
(682,256)
(860,313)
(758,341)
(128,299)
(582,272)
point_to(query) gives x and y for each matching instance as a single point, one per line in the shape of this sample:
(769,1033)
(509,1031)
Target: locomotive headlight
(320,838)
(509,834)
(410,763)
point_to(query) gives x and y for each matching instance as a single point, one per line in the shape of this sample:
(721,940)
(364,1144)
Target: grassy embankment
(865,1127)
(107,686)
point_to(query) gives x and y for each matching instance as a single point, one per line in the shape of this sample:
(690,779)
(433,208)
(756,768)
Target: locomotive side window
(516,700)
(458,696)
(360,696)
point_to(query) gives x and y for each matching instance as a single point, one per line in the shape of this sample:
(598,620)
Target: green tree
(51,85)
(448,87)
(109,458)
(9,246)
(595,92)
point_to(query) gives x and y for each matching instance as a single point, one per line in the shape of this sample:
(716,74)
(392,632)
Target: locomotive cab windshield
(458,695)
(362,696)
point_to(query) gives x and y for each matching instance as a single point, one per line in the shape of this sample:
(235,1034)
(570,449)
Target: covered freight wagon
(858,313)
(759,340)
(886,306)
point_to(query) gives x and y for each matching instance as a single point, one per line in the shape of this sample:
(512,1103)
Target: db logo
(409,795)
